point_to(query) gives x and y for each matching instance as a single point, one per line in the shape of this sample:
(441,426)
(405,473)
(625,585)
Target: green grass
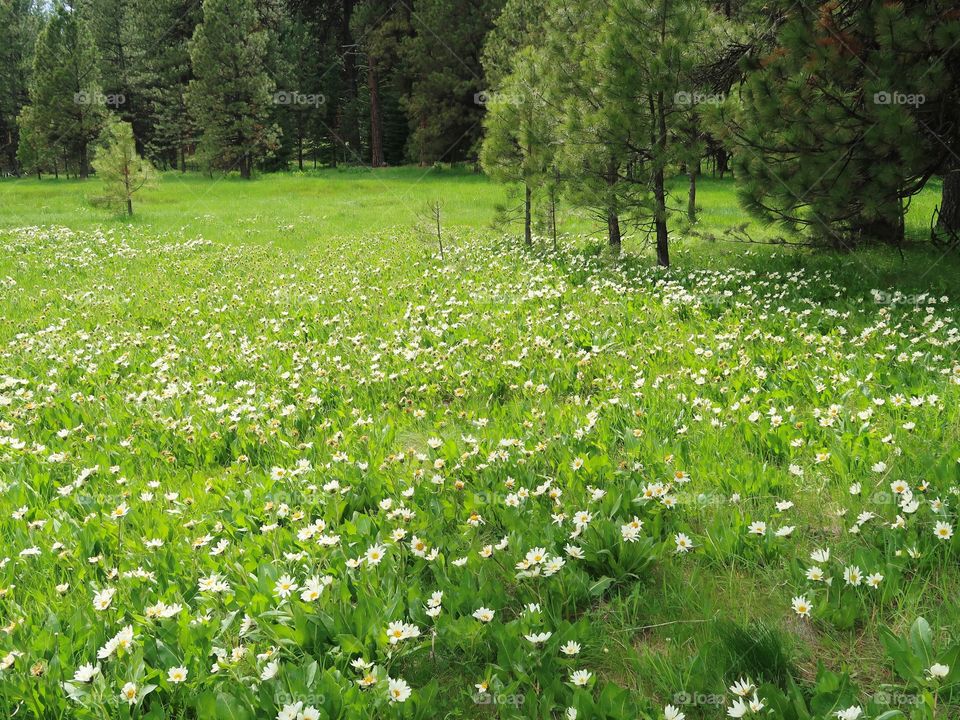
(297,208)
(316,324)
(290,209)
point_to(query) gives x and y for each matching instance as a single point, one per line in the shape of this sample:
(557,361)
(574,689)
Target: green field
(251,433)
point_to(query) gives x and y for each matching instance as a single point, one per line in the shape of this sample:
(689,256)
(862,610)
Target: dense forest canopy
(831,115)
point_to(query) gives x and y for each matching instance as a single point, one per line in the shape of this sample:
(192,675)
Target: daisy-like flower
(742,688)
(738,709)
(536,555)
(672,713)
(815,573)
(375,554)
(86,673)
(820,556)
(851,713)
(757,527)
(397,690)
(313,589)
(270,670)
(102,600)
(802,606)
(683,543)
(943,531)
(874,580)
(570,648)
(580,677)
(129,693)
(398,630)
(9,659)
(177,674)
(483,614)
(285,586)
(361,664)
(938,671)
(852,575)
(290,711)
(538,638)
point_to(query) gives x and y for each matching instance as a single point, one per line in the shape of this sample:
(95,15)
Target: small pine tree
(516,146)
(33,154)
(120,168)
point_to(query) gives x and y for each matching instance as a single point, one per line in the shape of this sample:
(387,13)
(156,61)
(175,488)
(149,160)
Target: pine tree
(519,125)
(67,104)
(443,60)
(847,116)
(651,93)
(19,24)
(588,139)
(160,72)
(119,167)
(109,24)
(230,96)
(380,27)
(33,154)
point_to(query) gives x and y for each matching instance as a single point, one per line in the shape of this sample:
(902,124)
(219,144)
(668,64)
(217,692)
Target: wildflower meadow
(359,480)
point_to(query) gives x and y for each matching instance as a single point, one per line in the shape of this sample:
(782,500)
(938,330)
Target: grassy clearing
(189,428)
(297,209)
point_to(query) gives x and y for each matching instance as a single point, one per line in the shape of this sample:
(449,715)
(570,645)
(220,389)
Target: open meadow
(264,453)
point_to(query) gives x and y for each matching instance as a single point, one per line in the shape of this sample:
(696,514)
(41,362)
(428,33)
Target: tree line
(830,115)
(241,85)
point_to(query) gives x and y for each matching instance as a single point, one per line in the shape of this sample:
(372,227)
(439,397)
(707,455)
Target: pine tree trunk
(692,196)
(129,207)
(376,126)
(722,160)
(614,239)
(527,232)
(423,147)
(659,186)
(84,167)
(613,231)
(245,167)
(348,133)
(553,218)
(948,222)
